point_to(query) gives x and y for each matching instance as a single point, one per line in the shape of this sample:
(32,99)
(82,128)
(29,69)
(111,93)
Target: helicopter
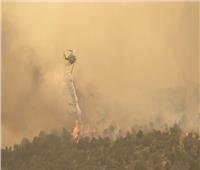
(70,57)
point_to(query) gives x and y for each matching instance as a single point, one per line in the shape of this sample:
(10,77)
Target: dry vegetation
(137,150)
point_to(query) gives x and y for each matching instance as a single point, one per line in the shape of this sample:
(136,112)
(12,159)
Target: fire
(76,132)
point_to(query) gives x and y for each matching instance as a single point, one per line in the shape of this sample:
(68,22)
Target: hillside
(137,150)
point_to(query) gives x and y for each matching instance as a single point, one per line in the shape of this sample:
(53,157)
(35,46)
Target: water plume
(72,99)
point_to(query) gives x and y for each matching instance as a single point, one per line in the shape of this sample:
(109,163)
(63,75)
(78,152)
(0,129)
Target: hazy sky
(136,62)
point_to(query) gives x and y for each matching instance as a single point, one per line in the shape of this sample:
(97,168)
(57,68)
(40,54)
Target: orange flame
(76,132)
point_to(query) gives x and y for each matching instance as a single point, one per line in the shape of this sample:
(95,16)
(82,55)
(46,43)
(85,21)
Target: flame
(76,132)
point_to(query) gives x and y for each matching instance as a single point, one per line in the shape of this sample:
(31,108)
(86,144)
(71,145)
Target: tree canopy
(137,150)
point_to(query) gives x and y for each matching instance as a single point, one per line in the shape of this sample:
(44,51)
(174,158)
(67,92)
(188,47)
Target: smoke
(137,63)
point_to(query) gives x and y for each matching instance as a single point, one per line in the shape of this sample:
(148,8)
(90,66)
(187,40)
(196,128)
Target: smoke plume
(136,63)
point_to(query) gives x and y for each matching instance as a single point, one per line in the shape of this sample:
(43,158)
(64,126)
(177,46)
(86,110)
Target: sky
(136,63)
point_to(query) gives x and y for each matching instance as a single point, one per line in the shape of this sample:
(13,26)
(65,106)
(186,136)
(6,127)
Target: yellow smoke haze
(136,62)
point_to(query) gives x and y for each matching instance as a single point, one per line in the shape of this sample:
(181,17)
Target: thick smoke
(137,63)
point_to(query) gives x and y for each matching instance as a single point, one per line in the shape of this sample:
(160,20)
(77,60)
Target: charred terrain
(171,149)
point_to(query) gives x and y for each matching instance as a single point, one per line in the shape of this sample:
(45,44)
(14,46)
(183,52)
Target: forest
(171,149)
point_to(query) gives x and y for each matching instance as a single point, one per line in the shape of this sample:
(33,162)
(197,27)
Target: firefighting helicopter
(70,57)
